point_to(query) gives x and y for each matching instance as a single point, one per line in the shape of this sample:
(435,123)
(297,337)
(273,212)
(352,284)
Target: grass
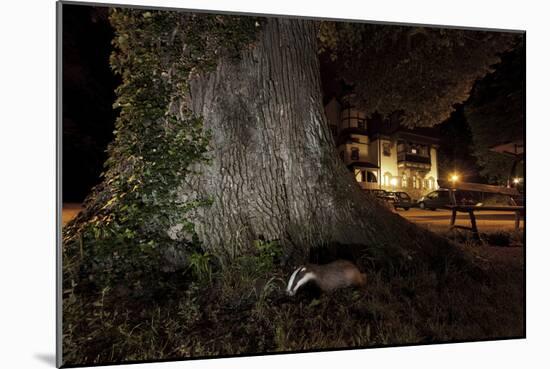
(244,309)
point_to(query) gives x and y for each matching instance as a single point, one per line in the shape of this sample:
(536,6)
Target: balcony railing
(413,158)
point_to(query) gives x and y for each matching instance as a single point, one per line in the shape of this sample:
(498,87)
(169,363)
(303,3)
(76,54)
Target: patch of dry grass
(245,311)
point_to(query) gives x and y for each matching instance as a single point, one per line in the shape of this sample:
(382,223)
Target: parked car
(382,195)
(401,200)
(435,200)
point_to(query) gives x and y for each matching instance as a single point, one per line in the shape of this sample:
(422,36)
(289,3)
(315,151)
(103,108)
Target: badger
(328,277)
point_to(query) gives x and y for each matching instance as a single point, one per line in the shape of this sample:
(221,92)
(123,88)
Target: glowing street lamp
(516,180)
(393,182)
(454,177)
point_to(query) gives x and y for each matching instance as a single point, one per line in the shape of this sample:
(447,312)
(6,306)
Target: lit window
(413,151)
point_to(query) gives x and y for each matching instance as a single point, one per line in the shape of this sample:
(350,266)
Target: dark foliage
(496,114)
(420,71)
(455,148)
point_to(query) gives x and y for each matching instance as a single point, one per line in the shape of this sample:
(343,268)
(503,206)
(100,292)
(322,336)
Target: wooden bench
(456,206)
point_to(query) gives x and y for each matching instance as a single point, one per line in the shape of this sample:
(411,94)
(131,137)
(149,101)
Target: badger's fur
(328,277)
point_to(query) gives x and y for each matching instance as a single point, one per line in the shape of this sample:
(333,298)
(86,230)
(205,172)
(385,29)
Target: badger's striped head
(298,278)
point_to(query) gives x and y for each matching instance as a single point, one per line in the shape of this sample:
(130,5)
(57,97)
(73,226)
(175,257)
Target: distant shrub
(499,238)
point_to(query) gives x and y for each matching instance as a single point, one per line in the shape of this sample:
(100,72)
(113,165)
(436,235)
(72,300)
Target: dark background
(88,96)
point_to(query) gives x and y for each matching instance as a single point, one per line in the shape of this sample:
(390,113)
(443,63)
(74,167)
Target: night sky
(88,96)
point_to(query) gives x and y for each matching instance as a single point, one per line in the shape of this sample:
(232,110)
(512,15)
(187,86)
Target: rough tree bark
(275,172)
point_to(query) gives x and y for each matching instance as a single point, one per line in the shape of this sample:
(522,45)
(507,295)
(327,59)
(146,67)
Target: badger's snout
(299,277)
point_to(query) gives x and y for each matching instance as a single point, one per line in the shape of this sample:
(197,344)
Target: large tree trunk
(275,172)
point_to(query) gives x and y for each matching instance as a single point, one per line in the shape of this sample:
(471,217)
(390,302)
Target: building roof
(378,126)
(420,135)
(393,128)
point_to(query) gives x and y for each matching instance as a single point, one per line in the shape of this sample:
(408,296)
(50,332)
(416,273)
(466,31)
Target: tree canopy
(421,72)
(496,113)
